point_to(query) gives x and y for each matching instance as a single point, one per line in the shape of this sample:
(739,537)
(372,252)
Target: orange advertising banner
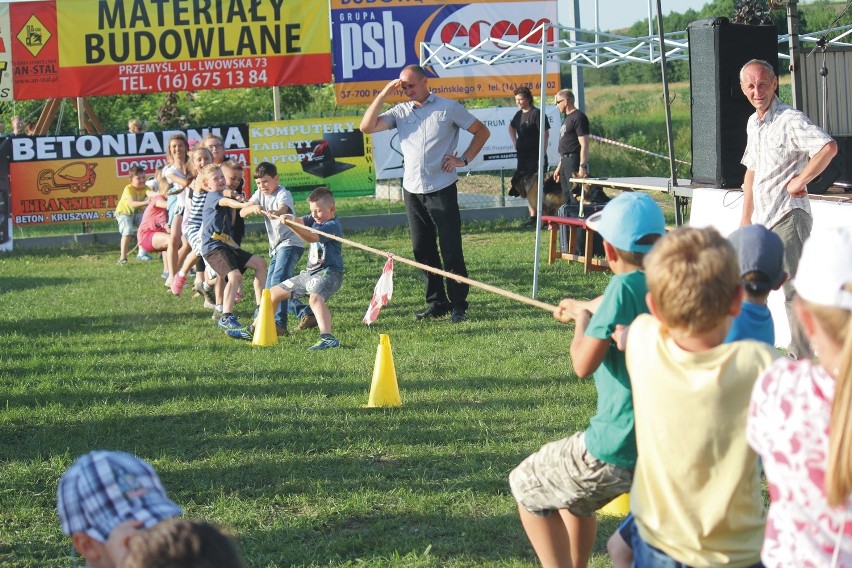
(72,48)
(58,179)
(62,192)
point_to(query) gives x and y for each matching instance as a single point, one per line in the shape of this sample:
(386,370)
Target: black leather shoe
(431,312)
(458,316)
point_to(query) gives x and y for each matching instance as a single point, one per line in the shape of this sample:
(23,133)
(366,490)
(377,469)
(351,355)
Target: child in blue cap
(576,476)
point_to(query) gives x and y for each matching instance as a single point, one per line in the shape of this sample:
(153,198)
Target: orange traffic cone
(264,330)
(384,391)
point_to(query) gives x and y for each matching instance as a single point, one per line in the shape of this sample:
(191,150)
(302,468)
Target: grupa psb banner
(374,39)
(60,179)
(497,154)
(74,48)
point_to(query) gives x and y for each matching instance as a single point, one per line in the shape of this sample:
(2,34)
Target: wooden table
(574,224)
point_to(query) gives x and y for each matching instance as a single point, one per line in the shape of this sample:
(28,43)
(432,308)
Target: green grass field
(274,443)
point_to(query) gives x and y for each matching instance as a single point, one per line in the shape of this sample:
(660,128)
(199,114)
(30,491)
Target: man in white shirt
(785,151)
(428,128)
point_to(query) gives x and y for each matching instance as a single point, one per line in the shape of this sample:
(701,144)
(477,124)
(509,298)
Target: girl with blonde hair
(177,173)
(800,418)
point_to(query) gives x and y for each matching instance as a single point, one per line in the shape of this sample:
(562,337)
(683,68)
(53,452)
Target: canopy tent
(606,50)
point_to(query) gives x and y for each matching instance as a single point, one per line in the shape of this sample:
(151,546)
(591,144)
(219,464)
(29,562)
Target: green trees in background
(814,16)
(205,108)
(187,109)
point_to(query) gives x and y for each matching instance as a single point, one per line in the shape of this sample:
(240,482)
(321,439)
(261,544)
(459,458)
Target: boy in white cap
(560,487)
(102,489)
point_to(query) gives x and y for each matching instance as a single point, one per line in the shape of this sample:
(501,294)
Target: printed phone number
(530,85)
(211,80)
(359,93)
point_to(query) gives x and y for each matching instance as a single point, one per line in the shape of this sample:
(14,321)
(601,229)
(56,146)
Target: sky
(618,14)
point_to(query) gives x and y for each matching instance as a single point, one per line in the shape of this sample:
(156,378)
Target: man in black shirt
(573,144)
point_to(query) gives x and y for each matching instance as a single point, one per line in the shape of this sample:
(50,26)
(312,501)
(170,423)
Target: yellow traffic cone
(264,330)
(618,507)
(384,391)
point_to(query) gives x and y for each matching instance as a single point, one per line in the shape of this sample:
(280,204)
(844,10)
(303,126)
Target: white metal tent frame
(606,50)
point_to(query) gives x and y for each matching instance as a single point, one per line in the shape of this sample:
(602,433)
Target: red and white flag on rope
(381,293)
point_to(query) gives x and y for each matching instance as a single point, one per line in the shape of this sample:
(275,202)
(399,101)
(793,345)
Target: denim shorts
(174,205)
(647,556)
(564,475)
(324,283)
(626,529)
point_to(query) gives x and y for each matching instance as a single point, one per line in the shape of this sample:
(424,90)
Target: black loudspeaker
(720,110)
(820,184)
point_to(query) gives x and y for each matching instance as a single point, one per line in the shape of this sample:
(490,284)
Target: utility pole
(795,48)
(576,70)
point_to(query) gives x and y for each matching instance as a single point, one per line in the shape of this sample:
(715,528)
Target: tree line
(161,111)
(814,16)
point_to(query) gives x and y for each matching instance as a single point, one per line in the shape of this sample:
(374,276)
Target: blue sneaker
(244,334)
(143,255)
(230,322)
(324,343)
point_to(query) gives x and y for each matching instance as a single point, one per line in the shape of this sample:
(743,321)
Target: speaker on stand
(820,184)
(717,51)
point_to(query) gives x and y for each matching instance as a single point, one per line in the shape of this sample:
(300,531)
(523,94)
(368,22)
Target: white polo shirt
(426,134)
(778,148)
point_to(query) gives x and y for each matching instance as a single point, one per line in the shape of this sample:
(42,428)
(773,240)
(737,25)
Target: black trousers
(434,221)
(570,166)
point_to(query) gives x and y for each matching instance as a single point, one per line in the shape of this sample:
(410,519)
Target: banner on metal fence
(497,154)
(60,179)
(311,152)
(57,179)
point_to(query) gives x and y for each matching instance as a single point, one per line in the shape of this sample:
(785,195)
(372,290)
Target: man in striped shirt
(785,151)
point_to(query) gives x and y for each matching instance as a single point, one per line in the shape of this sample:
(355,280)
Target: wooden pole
(493,289)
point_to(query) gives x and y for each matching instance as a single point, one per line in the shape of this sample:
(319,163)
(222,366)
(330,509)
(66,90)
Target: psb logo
(372,44)
(33,35)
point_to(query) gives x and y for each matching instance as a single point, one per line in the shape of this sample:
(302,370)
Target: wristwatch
(463,158)
(584,166)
